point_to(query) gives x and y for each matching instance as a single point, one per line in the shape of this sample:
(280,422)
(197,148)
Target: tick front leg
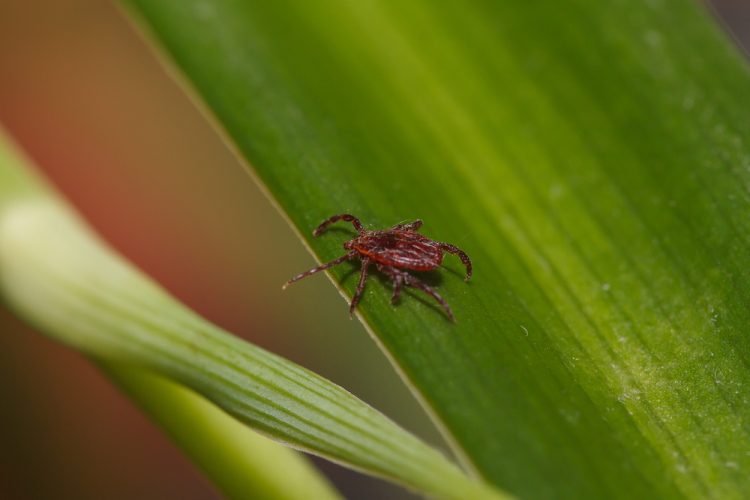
(360,286)
(322,267)
(346,217)
(461,255)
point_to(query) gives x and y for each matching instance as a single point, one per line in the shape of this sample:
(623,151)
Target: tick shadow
(354,268)
(433,279)
(461,273)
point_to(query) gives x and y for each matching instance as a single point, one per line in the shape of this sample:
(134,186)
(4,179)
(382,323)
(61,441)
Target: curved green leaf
(59,276)
(239,461)
(592,157)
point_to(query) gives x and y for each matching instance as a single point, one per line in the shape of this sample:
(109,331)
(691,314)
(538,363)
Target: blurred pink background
(85,97)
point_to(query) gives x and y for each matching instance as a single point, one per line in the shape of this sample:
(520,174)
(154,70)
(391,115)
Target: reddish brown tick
(392,251)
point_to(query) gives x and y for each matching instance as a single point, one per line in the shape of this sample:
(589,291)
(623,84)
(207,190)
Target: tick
(394,251)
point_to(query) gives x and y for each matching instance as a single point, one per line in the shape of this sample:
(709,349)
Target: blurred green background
(89,102)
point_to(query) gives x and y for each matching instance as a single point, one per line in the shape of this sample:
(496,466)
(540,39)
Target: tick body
(393,251)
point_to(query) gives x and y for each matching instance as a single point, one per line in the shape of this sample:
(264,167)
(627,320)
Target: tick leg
(461,255)
(348,218)
(398,282)
(360,286)
(411,226)
(321,267)
(414,282)
(404,278)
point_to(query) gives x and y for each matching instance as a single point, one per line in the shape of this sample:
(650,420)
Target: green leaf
(592,158)
(241,462)
(71,286)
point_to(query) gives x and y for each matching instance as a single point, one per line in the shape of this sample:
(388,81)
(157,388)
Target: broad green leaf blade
(591,156)
(239,461)
(64,280)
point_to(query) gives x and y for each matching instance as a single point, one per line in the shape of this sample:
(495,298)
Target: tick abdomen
(406,250)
